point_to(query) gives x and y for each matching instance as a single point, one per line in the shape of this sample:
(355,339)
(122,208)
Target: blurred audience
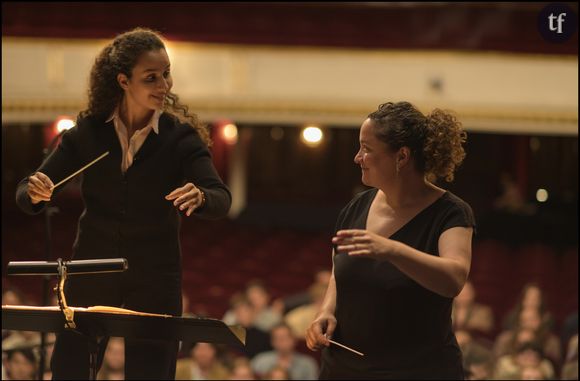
(477,358)
(113,367)
(277,373)
(527,348)
(241,369)
(511,199)
(532,296)
(529,328)
(300,318)
(20,364)
(532,373)
(299,366)
(12,296)
(469,315)
(257,340)
(288,303)
(265,316)
(204,363)
(258,296)
(528,355)
(50,338)
(570,368)
(569,329)
(17,339)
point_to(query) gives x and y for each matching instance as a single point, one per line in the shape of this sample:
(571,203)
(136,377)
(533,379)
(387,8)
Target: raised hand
(187,197)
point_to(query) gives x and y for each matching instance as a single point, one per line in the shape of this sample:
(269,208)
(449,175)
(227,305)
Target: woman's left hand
(363,243)
(188,196)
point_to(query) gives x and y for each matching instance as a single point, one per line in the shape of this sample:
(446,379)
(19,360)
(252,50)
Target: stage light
(230,133)
(542,195)
(312,136)
(64,123)
(54,131)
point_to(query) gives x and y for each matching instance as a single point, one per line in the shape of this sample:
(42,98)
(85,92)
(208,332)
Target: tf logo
(557,22)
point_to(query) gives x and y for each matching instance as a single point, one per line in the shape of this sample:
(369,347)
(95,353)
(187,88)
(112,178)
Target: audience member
(569,329)
(532,296)
(20,364)
(529,354)
(529,328)
(257,341)
(532,373)
(17,339)
(477,358)
(469,315)
(299,366)
(258,295)
(511,199)
(204,363)
(290,302)
(242,370)
(299,319)
(570,368)
(113,367)
(277,373)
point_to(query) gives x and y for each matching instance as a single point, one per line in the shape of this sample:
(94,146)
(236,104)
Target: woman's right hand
(39,187)
(320,331)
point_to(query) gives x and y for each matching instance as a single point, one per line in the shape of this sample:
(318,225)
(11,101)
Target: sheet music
(107,309)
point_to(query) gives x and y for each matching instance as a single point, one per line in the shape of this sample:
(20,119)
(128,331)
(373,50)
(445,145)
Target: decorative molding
(490,92)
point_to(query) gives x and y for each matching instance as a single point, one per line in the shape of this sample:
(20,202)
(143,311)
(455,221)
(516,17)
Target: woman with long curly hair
(402,252)
(158,166)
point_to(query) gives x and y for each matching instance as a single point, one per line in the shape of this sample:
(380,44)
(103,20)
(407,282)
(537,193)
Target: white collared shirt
(130,147)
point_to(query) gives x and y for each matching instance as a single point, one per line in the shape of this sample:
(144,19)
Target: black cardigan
(127,215)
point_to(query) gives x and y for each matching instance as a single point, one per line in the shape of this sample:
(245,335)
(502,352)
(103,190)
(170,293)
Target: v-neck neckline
(366,217)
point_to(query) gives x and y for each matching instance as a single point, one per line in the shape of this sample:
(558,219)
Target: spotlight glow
(312,135)
(542,195)
(64,124)
(230,133)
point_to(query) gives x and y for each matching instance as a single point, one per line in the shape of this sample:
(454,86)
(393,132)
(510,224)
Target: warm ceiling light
(542,195)
(64,124)
(230,133)
(312,136)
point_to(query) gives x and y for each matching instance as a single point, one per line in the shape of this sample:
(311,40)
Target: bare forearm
(443,276)
(329,303)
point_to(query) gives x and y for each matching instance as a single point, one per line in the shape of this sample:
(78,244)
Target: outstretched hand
(187,197)
(357,242)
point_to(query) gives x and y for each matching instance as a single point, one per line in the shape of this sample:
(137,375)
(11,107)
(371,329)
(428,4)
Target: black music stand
(96,324)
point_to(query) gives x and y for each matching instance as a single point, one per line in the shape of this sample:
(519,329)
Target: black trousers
(134,290)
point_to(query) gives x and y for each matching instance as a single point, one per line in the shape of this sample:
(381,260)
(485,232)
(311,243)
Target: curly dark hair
(435,140)
(121,56)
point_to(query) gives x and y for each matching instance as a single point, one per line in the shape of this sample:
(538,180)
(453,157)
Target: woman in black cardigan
(158,165)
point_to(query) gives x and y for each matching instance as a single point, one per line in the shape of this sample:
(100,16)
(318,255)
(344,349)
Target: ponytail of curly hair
(435,141)
(443,147)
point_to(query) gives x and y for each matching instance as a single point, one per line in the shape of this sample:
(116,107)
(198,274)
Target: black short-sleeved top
(403,329)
